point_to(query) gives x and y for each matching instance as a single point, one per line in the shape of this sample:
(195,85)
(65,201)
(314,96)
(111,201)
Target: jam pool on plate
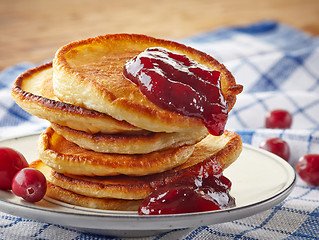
(192,194)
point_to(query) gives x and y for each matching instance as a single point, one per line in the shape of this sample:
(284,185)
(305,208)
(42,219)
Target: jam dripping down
(198,193)
(176,83)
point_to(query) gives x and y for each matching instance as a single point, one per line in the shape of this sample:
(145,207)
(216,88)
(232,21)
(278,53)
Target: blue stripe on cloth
(246,135)
(41,230)
(246,234)
(310,228)
(258,28)
(276,76)
(8,75)
(195,233)
(14,116)
(304,109)
(282,36)
(228,33)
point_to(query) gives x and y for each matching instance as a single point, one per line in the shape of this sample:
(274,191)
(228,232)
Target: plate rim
(143,221)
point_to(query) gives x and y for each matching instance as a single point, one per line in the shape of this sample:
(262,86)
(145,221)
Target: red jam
(177,83)
(192,194)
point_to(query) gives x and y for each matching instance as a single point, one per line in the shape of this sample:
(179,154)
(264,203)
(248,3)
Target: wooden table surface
(32,30)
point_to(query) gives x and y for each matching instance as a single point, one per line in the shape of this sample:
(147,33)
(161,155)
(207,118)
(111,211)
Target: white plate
(260,181)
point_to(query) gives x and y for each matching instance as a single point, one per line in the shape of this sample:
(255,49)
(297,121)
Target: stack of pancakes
(108,146)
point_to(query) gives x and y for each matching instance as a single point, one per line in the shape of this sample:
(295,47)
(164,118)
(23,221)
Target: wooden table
(32,30)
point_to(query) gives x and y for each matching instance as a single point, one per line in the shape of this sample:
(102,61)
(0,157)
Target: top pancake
(88,74)
(33,91)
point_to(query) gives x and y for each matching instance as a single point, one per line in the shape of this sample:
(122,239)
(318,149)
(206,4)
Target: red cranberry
(277,146)
(278,119)
(11,162)
(30,184)
(308,169)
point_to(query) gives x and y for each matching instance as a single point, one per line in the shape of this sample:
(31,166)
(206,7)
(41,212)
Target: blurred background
(32,30)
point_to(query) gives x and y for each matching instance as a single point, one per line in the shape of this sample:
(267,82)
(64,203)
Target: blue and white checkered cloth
(279,68)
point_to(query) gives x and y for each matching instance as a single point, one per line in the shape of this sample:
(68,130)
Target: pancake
(33,92)
(66,196)
(129,143)
(67,157)
(212,152)
(89,73)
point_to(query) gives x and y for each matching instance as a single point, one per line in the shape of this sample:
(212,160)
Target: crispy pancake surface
(219,151)
(33,91)
(67,157)
(109,146)
(88,73)
(73,198)
(66,196)
(129,143)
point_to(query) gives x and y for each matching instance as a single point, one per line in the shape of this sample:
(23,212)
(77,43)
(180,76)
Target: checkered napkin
(279,68)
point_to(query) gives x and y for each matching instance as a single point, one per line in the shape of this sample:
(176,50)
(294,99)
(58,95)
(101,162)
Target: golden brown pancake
(120,187)
(129,143)
(88,73)
(66,196)
(33,91)
(67,157)
(217,151)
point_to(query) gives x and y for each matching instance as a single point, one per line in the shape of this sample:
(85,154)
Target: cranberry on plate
(30,184)
(11,162)
(278,118)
